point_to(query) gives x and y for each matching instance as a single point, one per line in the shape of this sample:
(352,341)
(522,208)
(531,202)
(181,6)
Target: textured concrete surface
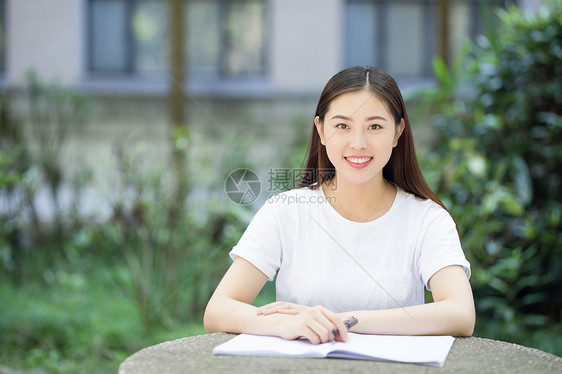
(468,355)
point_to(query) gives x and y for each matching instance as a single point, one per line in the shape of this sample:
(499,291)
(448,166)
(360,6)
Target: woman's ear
(399,131)
(320,128)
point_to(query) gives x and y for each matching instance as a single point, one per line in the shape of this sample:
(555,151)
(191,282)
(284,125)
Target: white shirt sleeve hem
(436,267)
(267,270)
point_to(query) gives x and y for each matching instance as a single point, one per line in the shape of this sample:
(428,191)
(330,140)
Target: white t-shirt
(320,257)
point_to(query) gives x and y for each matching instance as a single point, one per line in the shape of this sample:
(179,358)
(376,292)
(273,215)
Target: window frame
(3,37)
(130,72)
(429,19)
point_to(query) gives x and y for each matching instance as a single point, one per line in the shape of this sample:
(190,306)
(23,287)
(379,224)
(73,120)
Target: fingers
(321,322)
(282,310)
(336,324)
(318,333)
(288,311)
(280,307)
(341,335)
(267,307)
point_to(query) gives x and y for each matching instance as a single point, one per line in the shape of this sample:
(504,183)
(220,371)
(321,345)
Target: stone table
(468,355)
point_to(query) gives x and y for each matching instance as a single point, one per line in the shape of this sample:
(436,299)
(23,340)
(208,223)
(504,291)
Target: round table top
(468,355)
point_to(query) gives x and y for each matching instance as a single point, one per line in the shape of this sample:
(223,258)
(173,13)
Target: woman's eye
(375,127)
(341,126)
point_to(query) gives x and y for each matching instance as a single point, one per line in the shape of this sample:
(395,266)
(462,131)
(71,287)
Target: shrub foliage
(498,164)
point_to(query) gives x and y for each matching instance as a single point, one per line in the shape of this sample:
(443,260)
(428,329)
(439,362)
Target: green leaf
(440,71)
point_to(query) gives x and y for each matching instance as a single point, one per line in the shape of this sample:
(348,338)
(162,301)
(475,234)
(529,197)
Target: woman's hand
(313,323)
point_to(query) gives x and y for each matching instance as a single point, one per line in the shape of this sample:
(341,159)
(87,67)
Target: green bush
(17,176)
(168,253)
(80,291)
(497,164)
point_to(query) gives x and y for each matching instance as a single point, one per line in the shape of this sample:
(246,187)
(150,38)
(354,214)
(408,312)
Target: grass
(75,323)
(78,319)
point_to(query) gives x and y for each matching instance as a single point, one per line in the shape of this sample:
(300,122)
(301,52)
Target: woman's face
(359,134)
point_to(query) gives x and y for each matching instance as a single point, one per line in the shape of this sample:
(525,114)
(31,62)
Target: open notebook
(425,350)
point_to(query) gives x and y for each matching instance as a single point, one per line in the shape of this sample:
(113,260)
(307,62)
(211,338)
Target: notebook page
(414,349)
(256,345)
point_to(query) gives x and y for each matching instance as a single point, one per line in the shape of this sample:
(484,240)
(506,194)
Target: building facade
(233,47)
(254,68)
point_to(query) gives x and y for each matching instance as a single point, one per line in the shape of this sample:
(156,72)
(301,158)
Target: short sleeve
(440,246)
(260,244)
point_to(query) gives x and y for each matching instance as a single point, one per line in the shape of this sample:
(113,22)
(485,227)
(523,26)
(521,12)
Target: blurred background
(120,121)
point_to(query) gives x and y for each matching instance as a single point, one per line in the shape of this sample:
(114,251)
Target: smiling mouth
(358,160)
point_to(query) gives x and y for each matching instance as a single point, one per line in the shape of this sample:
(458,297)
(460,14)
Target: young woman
(361,237)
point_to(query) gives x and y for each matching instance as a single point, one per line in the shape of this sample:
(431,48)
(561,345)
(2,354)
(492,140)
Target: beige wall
(46,36)
(306,37)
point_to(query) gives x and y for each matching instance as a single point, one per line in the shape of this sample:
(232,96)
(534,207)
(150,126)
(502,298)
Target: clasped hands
(313,323)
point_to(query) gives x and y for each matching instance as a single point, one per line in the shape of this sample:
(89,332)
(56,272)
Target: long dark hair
(402,169)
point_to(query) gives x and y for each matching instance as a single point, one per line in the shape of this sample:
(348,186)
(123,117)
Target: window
(225,38)
(400,36)
(2,37)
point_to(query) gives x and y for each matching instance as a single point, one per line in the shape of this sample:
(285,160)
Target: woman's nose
(358,140)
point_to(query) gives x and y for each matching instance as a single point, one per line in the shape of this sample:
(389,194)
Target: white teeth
(359,160)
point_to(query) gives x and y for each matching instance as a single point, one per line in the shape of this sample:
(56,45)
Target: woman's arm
(230,310)
(451,313)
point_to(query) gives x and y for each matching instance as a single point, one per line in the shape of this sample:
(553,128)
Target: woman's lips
(358,162)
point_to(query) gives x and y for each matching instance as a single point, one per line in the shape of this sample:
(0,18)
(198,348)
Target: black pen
(349,323)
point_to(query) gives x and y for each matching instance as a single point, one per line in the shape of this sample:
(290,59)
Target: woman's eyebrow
(341,116)
(375,117)
(346,118)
